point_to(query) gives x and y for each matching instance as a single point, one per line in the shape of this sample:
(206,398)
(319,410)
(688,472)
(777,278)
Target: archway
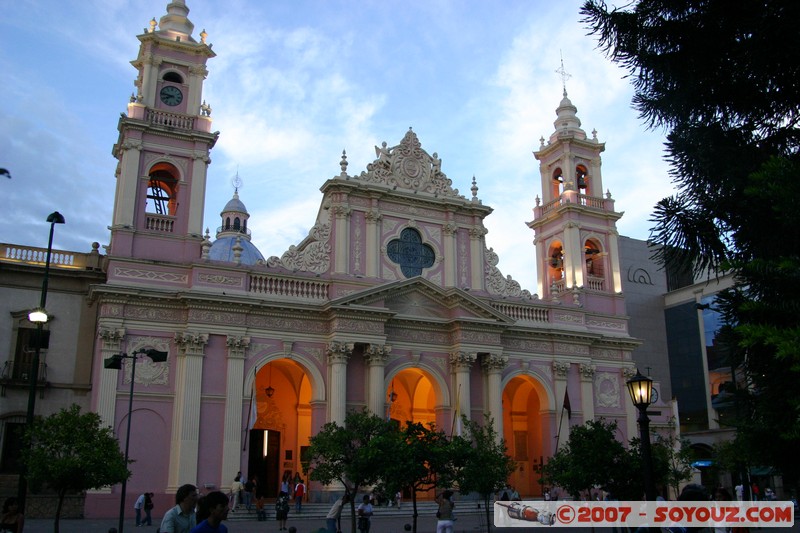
(525,407)
(280,424)
(411,397)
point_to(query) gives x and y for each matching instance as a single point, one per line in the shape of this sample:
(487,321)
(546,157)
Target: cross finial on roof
(564,74)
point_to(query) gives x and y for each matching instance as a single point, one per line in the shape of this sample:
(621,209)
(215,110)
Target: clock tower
(164,145)
(574,221)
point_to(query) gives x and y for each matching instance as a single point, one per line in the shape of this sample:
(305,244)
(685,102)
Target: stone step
(318,511)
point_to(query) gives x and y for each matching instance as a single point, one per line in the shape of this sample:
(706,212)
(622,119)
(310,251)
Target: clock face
(171,95)
(654,395)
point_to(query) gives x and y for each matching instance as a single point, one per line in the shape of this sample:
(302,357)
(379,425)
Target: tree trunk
(414,505)
(61,495)
(488,514)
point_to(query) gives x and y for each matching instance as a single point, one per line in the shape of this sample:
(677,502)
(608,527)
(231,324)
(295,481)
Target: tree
(593,457)
(71,451)
(353,455)
(721,77)
(419,459)
(480,461)
(672,459)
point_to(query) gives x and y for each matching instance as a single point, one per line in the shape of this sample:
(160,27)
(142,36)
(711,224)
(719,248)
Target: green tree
(353,455)
(71,451)
(593,457)
(480,461)
(419,458)
(721,77)
(672,459)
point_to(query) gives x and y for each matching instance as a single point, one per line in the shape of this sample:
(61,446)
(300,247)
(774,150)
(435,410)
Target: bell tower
(164,145)
(574,223)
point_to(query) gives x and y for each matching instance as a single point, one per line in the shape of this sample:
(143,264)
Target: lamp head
(157,356)
(270,391)
(641,390)
(38,316)
(114,362)
(56,218)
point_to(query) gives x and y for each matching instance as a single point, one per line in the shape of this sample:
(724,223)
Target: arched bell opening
(595,264)
(555,266)
(557,182)
(162,190)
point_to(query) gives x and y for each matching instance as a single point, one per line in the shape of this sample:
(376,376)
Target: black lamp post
(39,317)
(641,390)
(115,362)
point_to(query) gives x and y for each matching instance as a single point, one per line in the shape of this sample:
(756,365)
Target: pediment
(418,298)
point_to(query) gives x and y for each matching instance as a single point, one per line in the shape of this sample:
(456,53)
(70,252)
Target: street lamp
(39,317)
(115,362)
(641,390)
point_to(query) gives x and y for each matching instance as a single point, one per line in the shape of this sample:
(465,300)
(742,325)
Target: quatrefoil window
(410,253)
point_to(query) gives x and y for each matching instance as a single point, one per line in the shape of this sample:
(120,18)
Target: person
(398,498)
(287,476)
(755,492)
(769,495)
(364,512)
(739,489)
(445,512)
(261,512)
(12,520)
(334,516)
(299,492)
(137,508)
(181,518)
(282,510)
(236,492)
(216,507)
(148,509)
(249,488)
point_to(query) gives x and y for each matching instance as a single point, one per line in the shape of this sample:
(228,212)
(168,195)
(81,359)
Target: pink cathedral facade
(393,302)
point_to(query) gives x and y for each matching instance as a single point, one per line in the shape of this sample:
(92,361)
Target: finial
(237,182)
(343,164)
(564,75)
(594,135)
(538,200)
(541,142)
(153,25)
(608,194)
(474,189)
(133,98)
(205,109)
(203,36)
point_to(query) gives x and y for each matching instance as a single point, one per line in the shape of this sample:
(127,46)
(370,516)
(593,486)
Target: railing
(171,120)
(594,283)
(243,231)
(582,199)
(31,255)
(523,313)
(294,288)
(160,223)
(17,375)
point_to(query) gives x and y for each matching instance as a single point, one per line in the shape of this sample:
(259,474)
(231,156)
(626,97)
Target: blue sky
(293,84)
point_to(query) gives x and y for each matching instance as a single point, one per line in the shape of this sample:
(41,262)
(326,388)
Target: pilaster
(338,355)
(234,398)
(493,365)
(376,356)
(461,363)
(110,343)
(373,219)
(587,372)
(450,231)
(186,411)
(560,372)
(342,247)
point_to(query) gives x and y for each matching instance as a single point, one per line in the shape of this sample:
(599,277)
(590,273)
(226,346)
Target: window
(25,349)
(410,253)
(173,77)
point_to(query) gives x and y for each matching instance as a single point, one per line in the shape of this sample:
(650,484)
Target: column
(106,401)
(449,232)
(233,431)
(613,261)
(560,371)
(373,249)
(342,238)
(197,192)
(587,390)
(476,234)
(376,356)
(186,410)
(573,256)
(127,182)
(460,363)
(338,355)
(493,365)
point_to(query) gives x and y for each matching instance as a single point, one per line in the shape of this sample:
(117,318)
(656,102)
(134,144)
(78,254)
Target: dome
(222,250)
(234,205)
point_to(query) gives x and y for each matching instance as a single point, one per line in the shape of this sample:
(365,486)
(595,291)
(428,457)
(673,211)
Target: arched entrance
(411,396)
(280,422)
(524,422)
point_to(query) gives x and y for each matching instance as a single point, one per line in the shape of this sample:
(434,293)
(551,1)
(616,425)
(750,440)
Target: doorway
(264,459)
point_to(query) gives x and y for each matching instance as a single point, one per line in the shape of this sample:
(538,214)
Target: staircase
(318,511)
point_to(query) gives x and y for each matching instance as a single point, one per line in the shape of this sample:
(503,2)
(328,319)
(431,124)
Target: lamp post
(641,389)
(39,317)
(115,362)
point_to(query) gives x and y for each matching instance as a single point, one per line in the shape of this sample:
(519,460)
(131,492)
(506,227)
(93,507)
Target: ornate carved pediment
(420,298)
(407,166)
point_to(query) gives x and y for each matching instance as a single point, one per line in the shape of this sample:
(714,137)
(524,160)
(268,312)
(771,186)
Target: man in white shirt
(181,518)
(138,506)
(739,492)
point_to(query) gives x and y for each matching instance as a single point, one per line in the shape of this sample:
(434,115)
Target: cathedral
(393,302)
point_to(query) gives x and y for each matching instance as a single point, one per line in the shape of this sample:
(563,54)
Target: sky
(294,83)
